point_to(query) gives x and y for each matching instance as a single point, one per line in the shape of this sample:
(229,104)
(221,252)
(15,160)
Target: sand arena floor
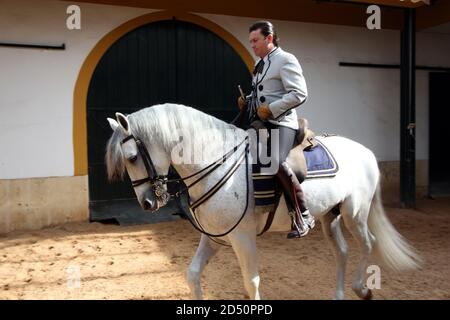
(150,261)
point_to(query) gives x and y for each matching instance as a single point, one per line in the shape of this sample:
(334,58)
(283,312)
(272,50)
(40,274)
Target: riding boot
(301,220)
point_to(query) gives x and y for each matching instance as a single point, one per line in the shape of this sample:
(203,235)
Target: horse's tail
(390,246)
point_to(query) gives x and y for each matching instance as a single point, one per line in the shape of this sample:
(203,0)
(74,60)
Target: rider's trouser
(291,186)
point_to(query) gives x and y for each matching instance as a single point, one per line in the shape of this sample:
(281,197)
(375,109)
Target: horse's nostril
(148,204)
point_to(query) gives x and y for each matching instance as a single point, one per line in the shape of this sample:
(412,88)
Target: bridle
(159,183)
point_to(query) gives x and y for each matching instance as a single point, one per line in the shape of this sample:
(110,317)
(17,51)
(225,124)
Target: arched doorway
(164,61)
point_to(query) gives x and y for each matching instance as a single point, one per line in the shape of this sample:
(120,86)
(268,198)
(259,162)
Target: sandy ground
(149,262)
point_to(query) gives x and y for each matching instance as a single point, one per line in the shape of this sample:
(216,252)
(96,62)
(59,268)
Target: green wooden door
(167,61)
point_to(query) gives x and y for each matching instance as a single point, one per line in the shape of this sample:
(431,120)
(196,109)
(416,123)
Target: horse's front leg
(205,250)
(244,245)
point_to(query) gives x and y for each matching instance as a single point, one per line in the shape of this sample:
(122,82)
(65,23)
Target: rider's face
(260,44)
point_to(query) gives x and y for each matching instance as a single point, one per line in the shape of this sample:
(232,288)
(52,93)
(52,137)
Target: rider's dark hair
(266,28)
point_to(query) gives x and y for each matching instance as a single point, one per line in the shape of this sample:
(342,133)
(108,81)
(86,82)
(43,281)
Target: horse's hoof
(369,295)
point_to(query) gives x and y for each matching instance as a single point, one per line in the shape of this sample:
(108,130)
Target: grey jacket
(280,84)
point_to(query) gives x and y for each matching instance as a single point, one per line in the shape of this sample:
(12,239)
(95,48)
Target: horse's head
(146,165)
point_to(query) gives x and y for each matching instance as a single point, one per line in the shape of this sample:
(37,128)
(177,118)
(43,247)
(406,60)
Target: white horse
(355,190)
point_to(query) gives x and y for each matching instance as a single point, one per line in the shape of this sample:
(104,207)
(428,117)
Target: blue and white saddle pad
(320,162)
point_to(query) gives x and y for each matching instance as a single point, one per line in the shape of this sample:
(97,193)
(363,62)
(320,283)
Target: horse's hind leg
(355,219)
(331,228)
(205,250)
(244,245)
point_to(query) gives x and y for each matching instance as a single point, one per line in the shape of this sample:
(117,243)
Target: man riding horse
(278,87)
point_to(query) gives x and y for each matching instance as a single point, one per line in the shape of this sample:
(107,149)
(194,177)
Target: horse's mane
(163,123)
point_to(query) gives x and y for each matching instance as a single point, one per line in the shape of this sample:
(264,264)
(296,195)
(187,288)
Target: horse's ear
(123,122)
(113,123)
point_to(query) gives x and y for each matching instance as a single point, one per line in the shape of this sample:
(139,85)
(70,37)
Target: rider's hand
(264,112)
(241,103)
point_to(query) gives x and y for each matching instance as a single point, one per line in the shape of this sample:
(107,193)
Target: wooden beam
(391,3)
(315,11)
(433,15)
(339,12)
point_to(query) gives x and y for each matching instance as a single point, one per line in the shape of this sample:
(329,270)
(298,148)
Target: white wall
(36,86)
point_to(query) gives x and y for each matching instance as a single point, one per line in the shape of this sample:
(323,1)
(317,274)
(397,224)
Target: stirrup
(309,219)
(298,232)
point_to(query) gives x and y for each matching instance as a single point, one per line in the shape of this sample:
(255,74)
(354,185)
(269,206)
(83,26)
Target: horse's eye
(133,158)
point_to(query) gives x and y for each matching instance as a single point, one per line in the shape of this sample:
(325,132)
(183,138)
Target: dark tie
(259,67)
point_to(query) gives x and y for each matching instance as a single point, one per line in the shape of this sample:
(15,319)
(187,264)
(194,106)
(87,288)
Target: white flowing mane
(163,123)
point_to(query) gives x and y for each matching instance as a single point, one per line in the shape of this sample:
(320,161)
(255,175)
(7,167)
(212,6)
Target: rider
(278,87)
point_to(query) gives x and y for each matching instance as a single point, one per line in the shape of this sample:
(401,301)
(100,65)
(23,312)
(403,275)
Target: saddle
(304,141)
(305,138)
